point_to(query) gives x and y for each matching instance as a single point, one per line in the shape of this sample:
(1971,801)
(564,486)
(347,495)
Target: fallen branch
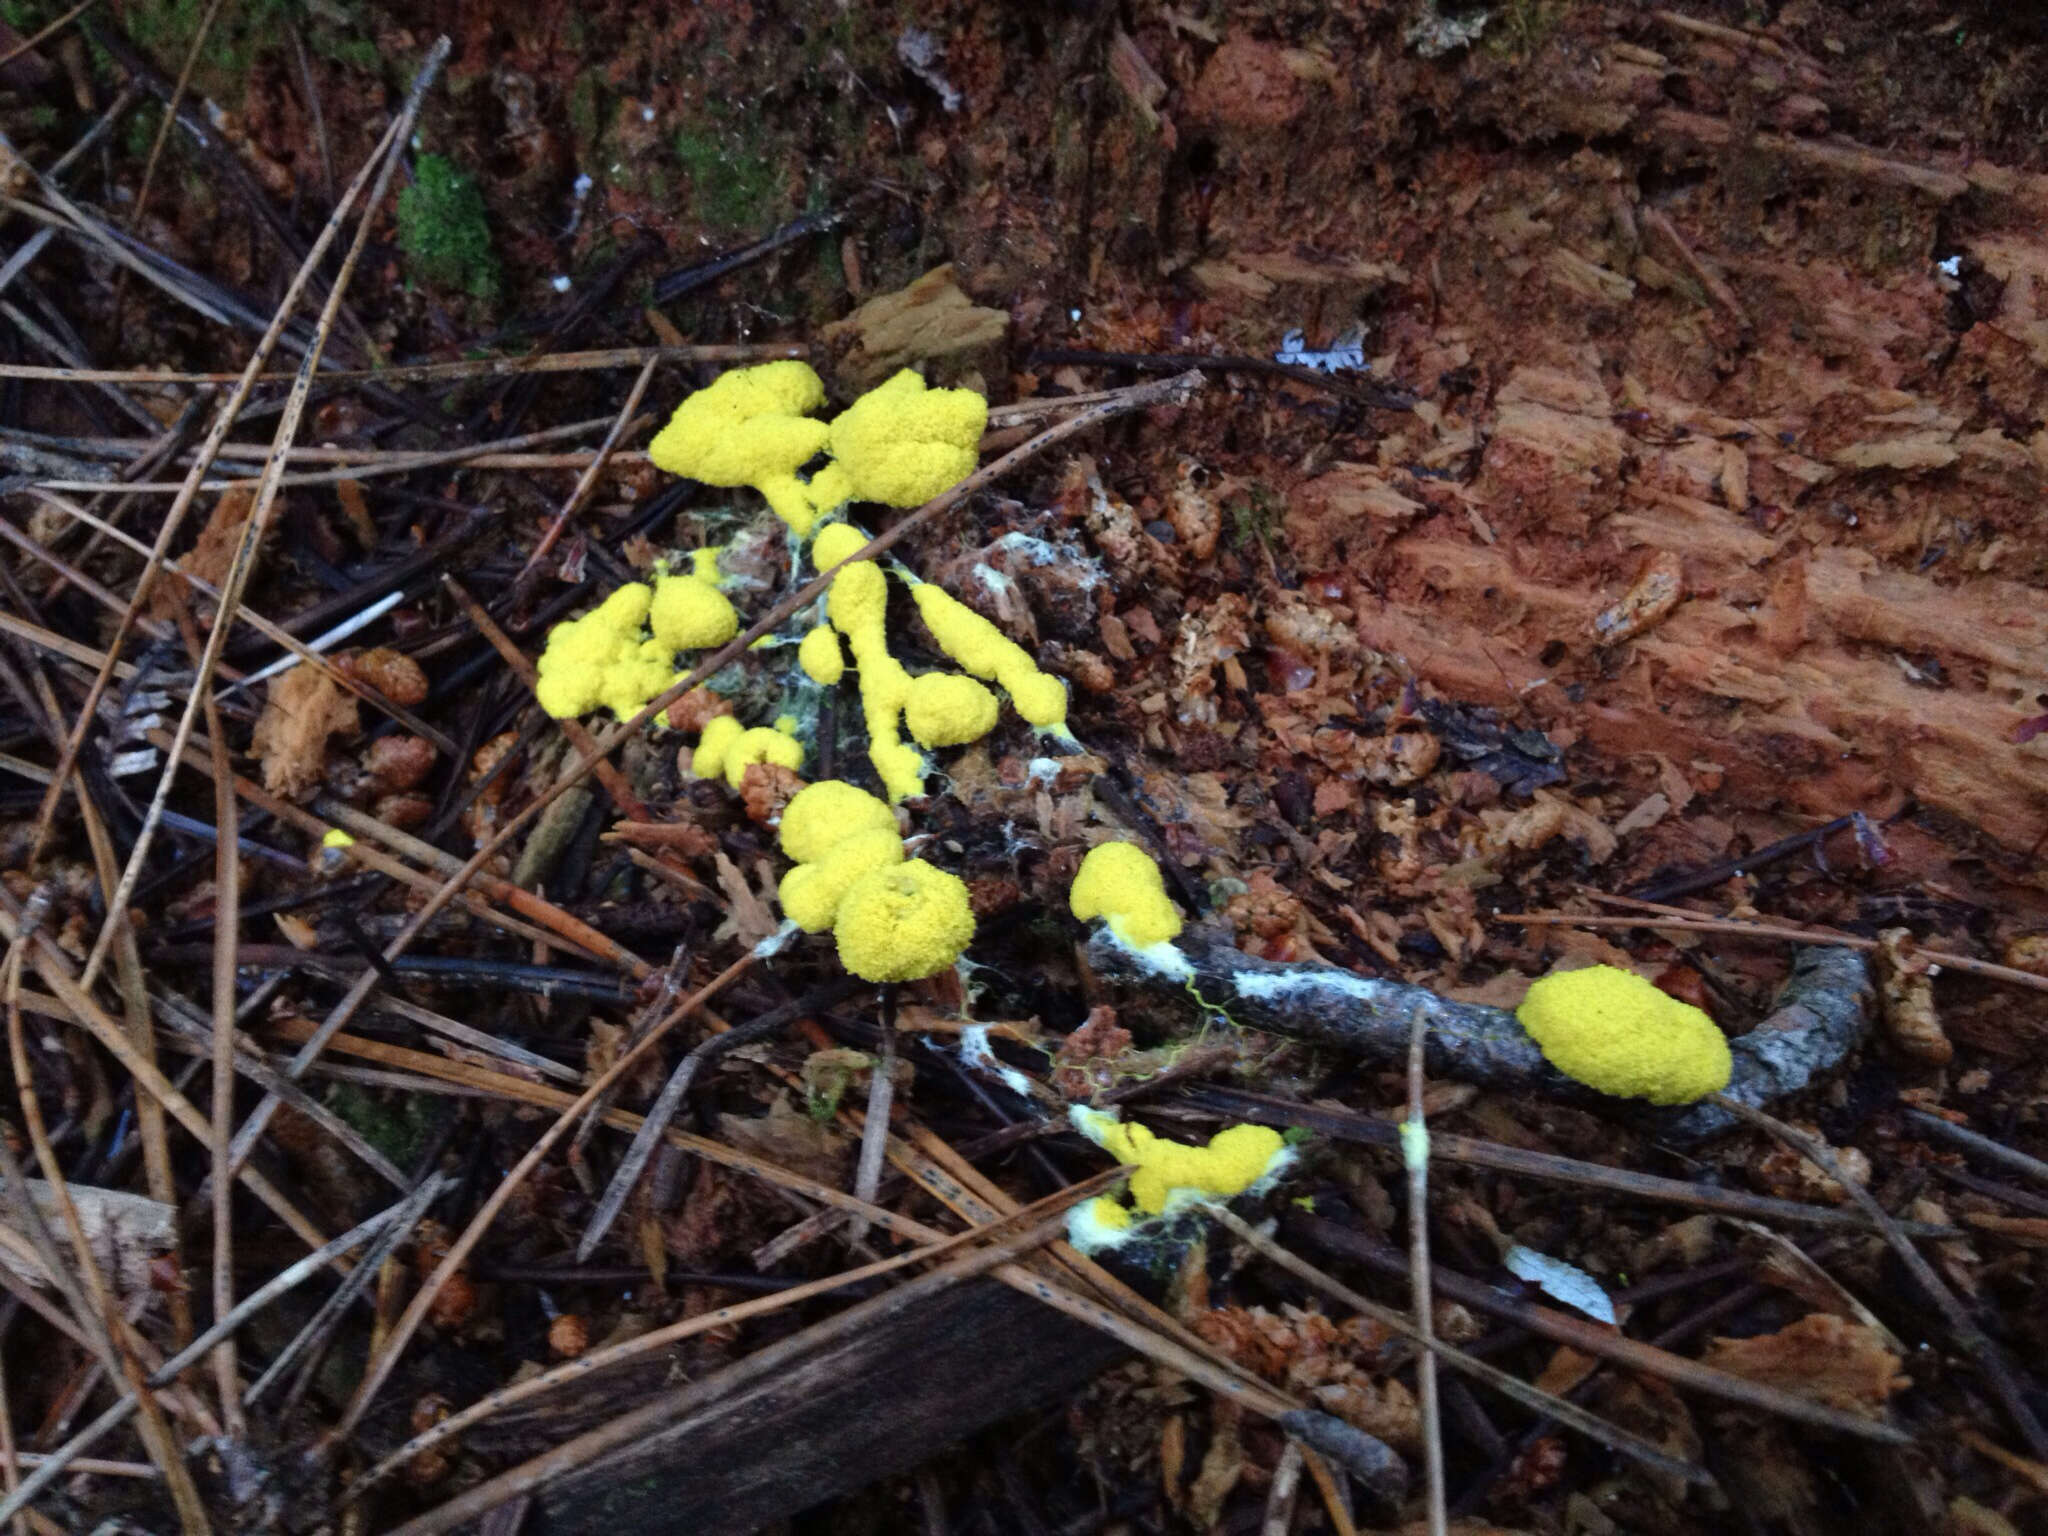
(1818,1018)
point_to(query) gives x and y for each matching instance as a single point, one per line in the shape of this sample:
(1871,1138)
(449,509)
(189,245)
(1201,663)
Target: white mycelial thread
(777,941)
(976,1052)
(1279,986)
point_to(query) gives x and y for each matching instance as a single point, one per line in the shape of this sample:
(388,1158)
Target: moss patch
(444,231)
(736,182)
(397,1124)
(241,32)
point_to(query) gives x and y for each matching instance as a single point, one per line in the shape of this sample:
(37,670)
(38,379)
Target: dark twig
(1988,1357)
(874,1137)
(1415,1154)
(673,1092)
(1708,876)
(677,284)
(1591,1338)
(439,970)
(1345,1126)
(1382,396)
(1982,1146)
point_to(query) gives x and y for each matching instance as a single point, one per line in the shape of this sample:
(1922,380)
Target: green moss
(444,231)
(587,111)
(1257,517)
(164,29)
(736,183)
(396,1124)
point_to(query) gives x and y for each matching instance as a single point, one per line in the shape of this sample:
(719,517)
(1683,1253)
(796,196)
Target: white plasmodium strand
(976,1053)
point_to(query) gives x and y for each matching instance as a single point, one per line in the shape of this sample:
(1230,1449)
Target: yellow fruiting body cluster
(750,426)
(901,443)
(820,656)
(859,608)
(1612,1030)
(940,709)
(1120,883)
(986,652)
(1168,1174)
(726,749)
(904,923)
(602,660)
(689,613)
(818,816)
(622,653)
(893,919)
(944,709)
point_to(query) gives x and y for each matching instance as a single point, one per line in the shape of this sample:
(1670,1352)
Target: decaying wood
(125,1232)
(868,1408)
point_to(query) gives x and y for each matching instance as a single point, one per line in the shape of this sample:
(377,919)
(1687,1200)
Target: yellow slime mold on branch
(1171,1173)
(1120,883)
(1612,1030)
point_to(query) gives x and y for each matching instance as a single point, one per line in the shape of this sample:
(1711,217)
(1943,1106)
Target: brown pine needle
(38,38)
(227,934)
(171,107)
(409,373)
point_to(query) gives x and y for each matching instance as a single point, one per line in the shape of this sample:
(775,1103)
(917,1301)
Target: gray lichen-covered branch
(1820,1015)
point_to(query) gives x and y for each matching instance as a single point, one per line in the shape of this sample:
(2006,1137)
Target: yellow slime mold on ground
(598,660)
(903,923)
(750,426)
(989,654)
(902,444)
(945,709)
